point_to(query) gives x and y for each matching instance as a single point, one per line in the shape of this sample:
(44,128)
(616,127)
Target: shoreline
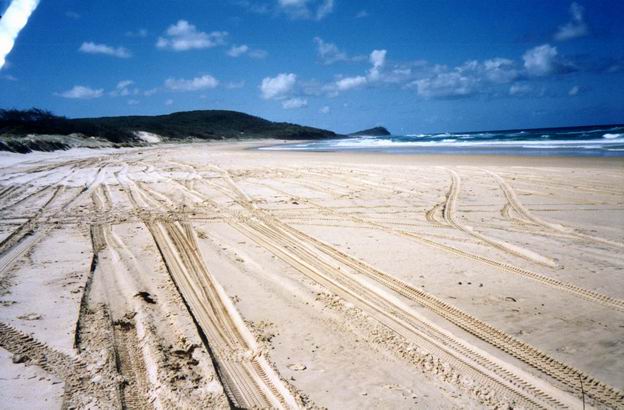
(432,158)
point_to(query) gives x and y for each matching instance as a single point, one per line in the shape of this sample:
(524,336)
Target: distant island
(40,130)
(373,132)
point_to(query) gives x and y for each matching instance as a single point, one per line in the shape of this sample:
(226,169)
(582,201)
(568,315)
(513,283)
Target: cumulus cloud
(349,83)
(184,36)
(500,70)
(377,59)
(544,60)
(306,9)
(293,103)
(90,47)
(123,89)
(451,84)
(576,27)
(277,87)
(13,21)
(82,93)
(237,51)
(198,83)
(329,53)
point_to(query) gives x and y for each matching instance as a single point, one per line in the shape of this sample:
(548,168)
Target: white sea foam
(612,136)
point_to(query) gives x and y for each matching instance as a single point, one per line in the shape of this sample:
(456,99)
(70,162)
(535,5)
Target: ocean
(598,141)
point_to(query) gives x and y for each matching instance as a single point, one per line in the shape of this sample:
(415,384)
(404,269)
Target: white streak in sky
(13,21)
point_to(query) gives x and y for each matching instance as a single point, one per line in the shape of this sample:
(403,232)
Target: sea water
(602,141)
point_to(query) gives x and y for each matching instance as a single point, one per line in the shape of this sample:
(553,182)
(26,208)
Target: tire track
(246,374)
(249,378)
(507,343)
(561,372)
(449,212)
(490,372)
(514,203)
(590,295)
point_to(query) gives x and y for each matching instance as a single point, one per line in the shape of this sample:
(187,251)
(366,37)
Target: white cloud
(500,70)
(169,102)
(277,87)
(124,84)
(520,89)
(81,92)
(123,89)
(450,84)
(133,102)
(306,9)
(294,103)
(12,22)
(349,83)
(541,60)
(574,91)
(93,48)
(184,36)
(324,9)
(197,83)
(325,109)
(377,59)
(361,14)
(237,51)
(576,27)
(150,92)
(329,53)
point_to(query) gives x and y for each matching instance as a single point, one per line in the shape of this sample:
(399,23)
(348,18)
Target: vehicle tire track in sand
(80,391)
(521,350)
(449,212)
(586,294)
(248,377)
(515,347)
(514,203)
(491,373)
(393,313)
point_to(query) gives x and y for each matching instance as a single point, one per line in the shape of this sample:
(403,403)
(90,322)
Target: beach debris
(146,297)
(298,367)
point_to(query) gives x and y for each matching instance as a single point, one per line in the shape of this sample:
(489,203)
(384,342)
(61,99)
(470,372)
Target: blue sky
(413,66)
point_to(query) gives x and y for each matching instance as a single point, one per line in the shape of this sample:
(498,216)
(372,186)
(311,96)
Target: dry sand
(213,276)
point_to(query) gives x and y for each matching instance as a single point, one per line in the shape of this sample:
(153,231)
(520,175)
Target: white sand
(352,280)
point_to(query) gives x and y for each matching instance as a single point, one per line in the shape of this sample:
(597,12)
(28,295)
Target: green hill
(210,124)
(16,125)
(374,132)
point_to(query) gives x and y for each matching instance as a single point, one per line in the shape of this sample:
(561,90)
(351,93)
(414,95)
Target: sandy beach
(216,275)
